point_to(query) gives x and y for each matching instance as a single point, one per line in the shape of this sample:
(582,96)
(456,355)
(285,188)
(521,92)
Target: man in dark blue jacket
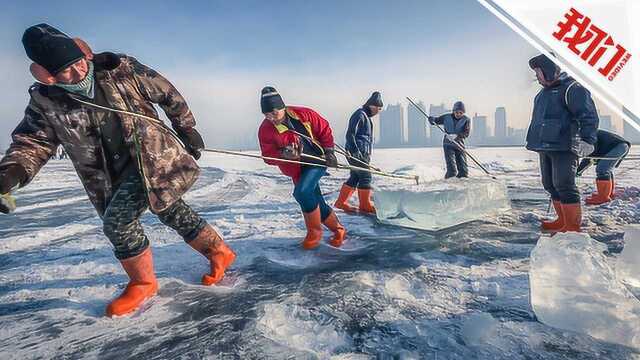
(563,129)
(359,145)
(609,151)
(457,128)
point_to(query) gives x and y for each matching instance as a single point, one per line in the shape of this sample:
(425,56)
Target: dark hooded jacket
(562,115)
(360,134)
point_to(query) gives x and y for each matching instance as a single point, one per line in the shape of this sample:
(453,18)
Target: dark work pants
(456,161)
(307,191)
(604,169)
(121,220)
(558,171)
(357,178)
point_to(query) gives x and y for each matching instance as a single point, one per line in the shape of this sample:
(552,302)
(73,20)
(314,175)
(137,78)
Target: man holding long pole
(457,127)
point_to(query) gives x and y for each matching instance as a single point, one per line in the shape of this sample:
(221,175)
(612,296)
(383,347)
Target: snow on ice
(389,293)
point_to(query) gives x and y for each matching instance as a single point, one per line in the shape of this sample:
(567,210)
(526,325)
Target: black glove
(431,120)
(330,157)
(192,141)
(291,151)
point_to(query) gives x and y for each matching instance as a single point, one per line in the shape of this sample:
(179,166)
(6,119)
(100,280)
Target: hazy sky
(328,55)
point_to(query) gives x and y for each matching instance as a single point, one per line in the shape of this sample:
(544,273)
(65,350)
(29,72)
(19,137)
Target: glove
(192,141)
(7,203)
(584,149)
(330,157)
(451,137)
(431,120)
(291,151)
(11,177)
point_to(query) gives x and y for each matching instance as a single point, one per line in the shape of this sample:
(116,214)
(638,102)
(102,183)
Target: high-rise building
(501,123)
(391,126)
(437,110)
(630,133)
(416,125)
(435,138)
(479,131)
(605,122)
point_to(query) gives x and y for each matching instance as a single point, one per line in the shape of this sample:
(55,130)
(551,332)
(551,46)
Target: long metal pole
(454,142)
(340,166)
(341,150)
(163,126)
(344,152)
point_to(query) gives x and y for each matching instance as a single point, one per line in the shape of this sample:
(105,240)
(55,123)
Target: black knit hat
(270,99)
(374,100)
(50,48)
(459,105)
(548,67)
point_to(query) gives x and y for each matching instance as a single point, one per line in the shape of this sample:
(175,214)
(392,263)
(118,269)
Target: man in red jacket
(301,134)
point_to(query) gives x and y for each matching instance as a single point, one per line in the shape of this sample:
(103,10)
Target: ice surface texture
(573,287)
(441,204)
(628,264)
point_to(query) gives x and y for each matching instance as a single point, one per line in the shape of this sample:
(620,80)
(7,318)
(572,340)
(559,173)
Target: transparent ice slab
(440,204)
(573,287)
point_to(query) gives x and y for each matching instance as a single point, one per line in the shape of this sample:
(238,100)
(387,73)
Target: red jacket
(273,139)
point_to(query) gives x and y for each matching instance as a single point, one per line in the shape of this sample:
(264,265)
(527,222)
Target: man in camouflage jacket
(126,163)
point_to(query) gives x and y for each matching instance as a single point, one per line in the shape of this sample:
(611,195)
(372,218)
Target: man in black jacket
(563,129)
(611,148)
(359,145)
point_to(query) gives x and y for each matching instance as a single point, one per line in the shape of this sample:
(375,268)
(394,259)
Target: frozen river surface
(390,293)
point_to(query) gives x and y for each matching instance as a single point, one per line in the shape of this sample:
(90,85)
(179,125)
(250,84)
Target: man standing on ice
(300,134)
(126,163)
(611,148)
(359,145)
(563,129)
(457,127)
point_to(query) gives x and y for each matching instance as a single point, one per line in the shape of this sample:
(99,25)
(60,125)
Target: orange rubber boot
(613,189)
(343,199)
(558,223)
(142,284)
(210,244)
(602,195)
(338,230)
(572,217)
(366,206)
(314,229)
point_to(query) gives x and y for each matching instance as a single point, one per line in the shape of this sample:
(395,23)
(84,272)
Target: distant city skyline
(326,55)
(418,134)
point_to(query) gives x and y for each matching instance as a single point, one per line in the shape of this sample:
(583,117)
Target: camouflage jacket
(52,118)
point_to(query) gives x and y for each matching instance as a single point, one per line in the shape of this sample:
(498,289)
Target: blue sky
(328,55)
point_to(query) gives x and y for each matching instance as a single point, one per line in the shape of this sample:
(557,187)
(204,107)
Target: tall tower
(479,129)
(501,124)
(391,126)
(436,135)
(630,133)
(605,122)
(417,125)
